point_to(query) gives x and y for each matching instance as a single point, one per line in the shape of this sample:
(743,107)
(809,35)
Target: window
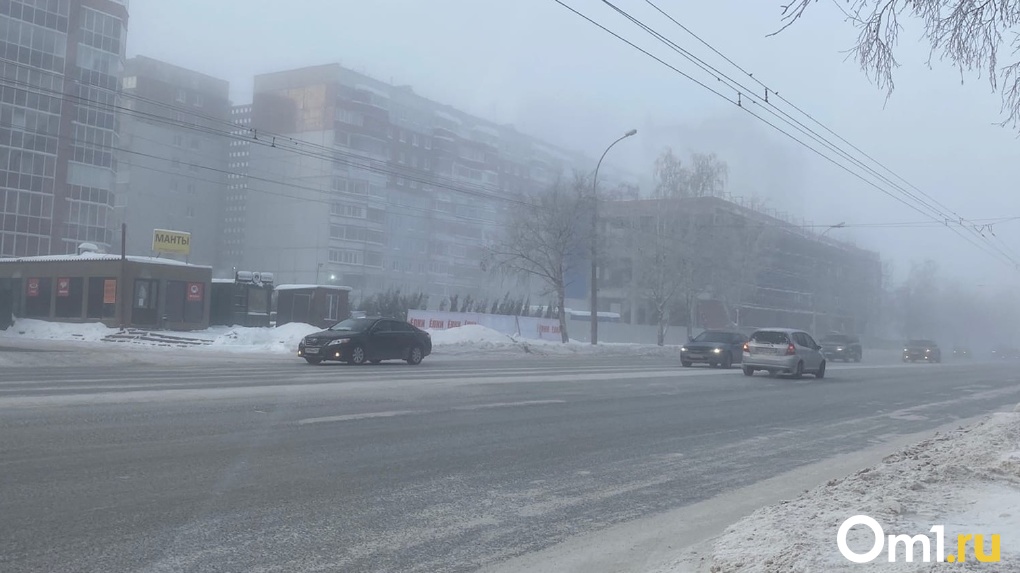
(428,143)
(403,136)
(198,100)
(130,82)
(146,294)
(182,96)
(414,139)
(178,139)
(333,313)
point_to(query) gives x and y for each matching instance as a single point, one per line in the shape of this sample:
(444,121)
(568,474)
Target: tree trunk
(560,301)
(663,319)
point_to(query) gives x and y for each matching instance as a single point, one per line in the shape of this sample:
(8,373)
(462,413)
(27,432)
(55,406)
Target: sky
(534,64)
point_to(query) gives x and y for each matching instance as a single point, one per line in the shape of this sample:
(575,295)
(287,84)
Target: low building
(245,300)
(318,305)
(164,294)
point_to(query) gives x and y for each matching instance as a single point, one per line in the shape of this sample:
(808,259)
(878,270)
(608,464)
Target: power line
(777,128)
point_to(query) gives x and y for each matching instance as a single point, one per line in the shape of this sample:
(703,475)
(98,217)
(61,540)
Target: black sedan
(361,340)
(715,348)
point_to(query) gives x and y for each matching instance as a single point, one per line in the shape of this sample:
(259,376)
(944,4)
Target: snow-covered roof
(309,287)
(99,257)
(222,281)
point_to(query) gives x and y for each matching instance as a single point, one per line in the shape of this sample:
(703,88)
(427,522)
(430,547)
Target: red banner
(110,291)
(64,287)
(32,287)
(195,292)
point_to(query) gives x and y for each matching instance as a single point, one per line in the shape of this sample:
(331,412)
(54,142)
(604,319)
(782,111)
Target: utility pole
(594,318)
(122,290)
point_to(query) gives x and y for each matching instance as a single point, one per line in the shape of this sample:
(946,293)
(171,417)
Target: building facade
(753,269)
(235,201)
(172,164)
(61,63)
(357,182)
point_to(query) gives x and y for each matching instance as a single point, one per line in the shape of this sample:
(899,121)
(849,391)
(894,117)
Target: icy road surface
(453,465)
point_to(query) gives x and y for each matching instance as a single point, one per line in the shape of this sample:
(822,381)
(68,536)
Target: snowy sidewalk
(967,480)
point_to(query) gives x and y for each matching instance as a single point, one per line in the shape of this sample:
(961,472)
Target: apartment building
(61,64)
(362,183)
(175,134)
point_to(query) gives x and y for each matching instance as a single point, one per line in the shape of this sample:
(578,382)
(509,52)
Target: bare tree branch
(967,33)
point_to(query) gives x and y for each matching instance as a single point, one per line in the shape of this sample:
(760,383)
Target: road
(452,465)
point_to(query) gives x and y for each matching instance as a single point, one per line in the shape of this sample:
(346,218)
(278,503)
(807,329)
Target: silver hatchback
(783,351)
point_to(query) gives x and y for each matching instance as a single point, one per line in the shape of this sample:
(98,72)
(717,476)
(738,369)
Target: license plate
(311,350)
(695,356)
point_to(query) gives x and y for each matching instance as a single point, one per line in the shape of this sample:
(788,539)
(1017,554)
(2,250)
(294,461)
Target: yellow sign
(174,242)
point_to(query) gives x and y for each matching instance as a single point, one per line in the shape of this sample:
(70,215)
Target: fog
(534,64)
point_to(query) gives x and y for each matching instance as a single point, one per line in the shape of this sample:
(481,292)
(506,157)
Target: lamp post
(594,240)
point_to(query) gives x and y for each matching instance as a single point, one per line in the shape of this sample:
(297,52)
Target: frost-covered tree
(546,237)
(970,34)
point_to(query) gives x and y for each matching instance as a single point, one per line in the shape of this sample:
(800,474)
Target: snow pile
(283,338)
(473,338)
(961,480)
(62,331)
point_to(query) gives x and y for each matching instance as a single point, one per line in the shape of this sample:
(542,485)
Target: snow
(63,331)
(99,257)
(474,339)
(967,480)
(283,339)
(307,287)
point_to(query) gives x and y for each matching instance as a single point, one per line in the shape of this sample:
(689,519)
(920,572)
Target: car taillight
(791,349)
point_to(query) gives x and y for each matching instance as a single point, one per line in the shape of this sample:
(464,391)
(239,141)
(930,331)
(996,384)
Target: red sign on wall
(195,292)
(32,288)
(64,287)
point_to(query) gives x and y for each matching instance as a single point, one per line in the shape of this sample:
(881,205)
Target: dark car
(923,350)
(360,340)
(1005,352)
(714,347)
(843,347)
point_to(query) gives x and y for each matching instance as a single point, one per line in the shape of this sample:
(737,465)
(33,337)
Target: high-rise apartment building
(175,133)
(60,68)
(355,181)
(235,202)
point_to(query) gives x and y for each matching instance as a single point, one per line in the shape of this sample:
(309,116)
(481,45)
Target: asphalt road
(448,466)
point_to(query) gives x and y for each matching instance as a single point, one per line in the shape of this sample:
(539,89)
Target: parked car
(360,340)
(1005,352)
(713,347)
(922,349)
(961,352)
(783,351)
(843,347)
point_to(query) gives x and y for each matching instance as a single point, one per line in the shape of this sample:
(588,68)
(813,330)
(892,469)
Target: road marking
(349,417)
(510,404)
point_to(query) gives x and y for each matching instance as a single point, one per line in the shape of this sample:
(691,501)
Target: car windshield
(352,325)
(713,337)
(837,339)
(928,343)
(770,337)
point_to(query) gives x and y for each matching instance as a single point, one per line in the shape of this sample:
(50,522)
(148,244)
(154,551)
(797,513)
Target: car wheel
(748,371)
(313,360)
(820,373)
(799,372)
(685,363)
(727,361)
(415,355)
(357,355)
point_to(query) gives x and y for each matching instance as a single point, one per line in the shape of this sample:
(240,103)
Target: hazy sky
(535,65)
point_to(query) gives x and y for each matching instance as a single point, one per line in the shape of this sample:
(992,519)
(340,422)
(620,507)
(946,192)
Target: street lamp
(594,240)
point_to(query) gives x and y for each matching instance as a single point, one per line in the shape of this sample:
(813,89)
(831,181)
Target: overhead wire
(947,223)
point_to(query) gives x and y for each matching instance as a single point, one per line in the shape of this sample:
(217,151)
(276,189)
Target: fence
(524,326)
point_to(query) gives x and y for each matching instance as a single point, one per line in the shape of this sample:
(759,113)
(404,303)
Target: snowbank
(473,338)
(967,480)
(283,339)
(28,328)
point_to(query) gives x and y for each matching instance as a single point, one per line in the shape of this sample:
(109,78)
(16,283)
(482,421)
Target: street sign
(195,292)
(172,242)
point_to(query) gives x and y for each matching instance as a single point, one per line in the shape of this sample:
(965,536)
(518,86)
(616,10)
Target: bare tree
(673,254)
(546,236)
(967,33)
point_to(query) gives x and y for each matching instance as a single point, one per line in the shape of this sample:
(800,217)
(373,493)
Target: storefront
(161,293)
(318,305)
(244,301)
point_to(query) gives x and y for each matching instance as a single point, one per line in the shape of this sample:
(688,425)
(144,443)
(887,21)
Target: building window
(178,139)
(198,100)
(428,143)
(182,96)
(130,82)
(414,139)
(403,136)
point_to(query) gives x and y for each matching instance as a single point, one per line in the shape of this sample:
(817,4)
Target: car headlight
(928,350)
(717,350)
(906,350)
(839,349)
(338,341)
(683,349)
